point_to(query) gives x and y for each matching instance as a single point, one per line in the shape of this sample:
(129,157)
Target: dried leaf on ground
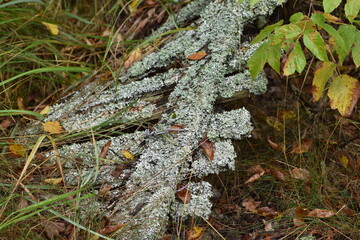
(111,228)
(53,229)
(118,170)
(183,194)
(176,127)
(303,147)
(53,28)
(23,203)
(53,127)
(104,190)
(105,150)
(249,204)
(267,212)
(197,56)
(256,169)
(133,57)
(127,154)
(275,146)
(16,149)
(53,181)
(287,114)
(274,122)
(6,123)
(20,103)
(208,147)
(254,177)
(45,110)
(194,233)
(321,213)
(300,214)
(278,175)
(300,173)
(344,160)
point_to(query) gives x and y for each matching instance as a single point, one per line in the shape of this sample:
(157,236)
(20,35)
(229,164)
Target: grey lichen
(167,159)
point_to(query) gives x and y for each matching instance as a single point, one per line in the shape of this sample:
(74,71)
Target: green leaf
(295,61)
(314,42)
(352,8)
(344,92)
(330,5)
(274,57)
(340,47)
(258,59)
(356,50)
(323,72)
(253,2)
(289,31)
(266,32)
(348,33)
(297,17)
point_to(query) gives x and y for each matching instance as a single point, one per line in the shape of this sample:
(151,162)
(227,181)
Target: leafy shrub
(282,48)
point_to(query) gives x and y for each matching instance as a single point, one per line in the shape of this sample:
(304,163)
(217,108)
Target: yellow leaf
(274,122)
(127,154)
(344,160)
(53,28)
(287,114)
(194,233)
(344,91)
(17,150)
(46,110)
(53,127)
(133,57)
(322,73)
(133,5)
(53,181)
(20,103)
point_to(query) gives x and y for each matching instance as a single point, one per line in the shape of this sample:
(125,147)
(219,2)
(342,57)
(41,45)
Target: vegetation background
(296,178)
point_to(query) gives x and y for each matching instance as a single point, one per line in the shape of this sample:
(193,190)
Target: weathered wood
(145,189)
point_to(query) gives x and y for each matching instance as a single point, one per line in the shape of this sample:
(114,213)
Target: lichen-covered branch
(150,183)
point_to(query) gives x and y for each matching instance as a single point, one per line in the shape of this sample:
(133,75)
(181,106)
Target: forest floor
(297,177)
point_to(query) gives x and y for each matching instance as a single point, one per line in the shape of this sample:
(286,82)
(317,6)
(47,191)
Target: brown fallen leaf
(278,175)
(175,127)
(303,147)
(197,56)
(105,150)
(53,229)
(249,204)
(20,103)
(6,123)
(111,228)
(275,146)
(266,212)
(184,194)
(53,127)
(300,214)
(321,213)
(133,57)
(118,170)
(300,173)
(104,190)
(254,177)
(194,233)
(256,169)
(208,148)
